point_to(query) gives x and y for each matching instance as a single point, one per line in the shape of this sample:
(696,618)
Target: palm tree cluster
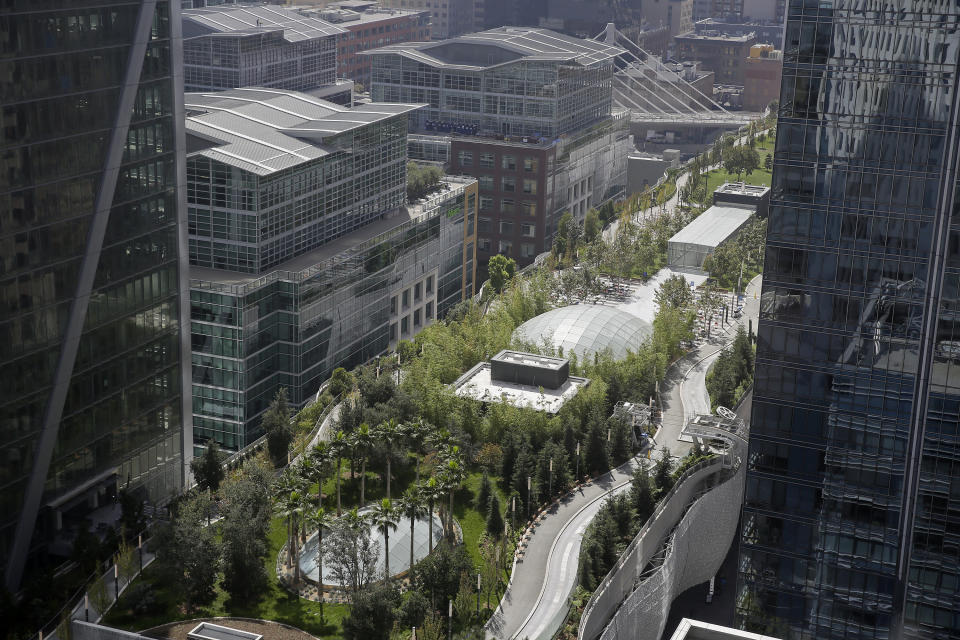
(304,512)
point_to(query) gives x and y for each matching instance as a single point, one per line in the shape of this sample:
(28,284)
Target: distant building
(231,46)
(726,8)
(304,255)
(538,146)
(723,54)
(448,18)
(644,170)
(770,32)
(369,26)
(761,77)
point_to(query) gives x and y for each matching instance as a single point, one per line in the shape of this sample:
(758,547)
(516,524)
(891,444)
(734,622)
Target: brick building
(761,80)
(723,54)
(368,26)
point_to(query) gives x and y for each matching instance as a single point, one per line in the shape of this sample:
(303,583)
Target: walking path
(535,602)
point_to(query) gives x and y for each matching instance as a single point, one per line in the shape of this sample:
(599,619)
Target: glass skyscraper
(92,263)
(851,519)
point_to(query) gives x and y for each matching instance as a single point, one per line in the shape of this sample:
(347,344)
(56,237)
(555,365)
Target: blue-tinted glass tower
(92,266)
(851,519)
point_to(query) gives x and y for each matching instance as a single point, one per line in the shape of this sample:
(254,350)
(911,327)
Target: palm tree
(389,434)
(318,461)
(431,491)
(451,479)
(362,439)
(338,445)
(319,520)
(384,517)
(290,506)
(414,507)
(416,434)
(356,523)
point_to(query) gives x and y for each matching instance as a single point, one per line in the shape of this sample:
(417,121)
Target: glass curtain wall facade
(522,98)
(292,328)
(851,519)
(89,264)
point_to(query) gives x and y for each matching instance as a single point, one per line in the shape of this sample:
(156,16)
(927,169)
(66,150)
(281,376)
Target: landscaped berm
(265,628)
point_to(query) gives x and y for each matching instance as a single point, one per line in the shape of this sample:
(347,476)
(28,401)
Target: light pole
(450,620)
(86,607)
(578,463)
(140,549)
(550,485)
(528,497)
(478,593)
(116,579)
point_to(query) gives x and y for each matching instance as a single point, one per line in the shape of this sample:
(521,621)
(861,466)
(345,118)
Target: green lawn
(276,604)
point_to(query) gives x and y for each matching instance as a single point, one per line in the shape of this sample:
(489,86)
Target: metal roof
(712,227)
(267,130)
(502,45)
(229,19)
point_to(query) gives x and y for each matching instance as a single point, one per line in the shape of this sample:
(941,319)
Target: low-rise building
(761,77)
(743,194)
(723,54)
(304,254)
(690,246)
(368,26)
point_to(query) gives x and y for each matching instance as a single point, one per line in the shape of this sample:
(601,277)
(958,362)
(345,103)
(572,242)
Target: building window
(528,230)
(507,205)
(393,332)
(506,246)
(530,186)
(486,204)
(486,160)
(406,299)
(530,164)
(393,305)
(483,244)
(506,227)
(486,183)
(528,208)
(429,285)
(416,319)
(465,158)
(417,292)
(485,225)
(509,184)
(509,163)
(428,311)
(527,250)
(405,325)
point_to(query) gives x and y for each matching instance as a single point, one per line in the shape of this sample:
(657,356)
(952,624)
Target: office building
(368,26)
(723,54)
(91,267)
(766,32)
(849,526)
(448,18)
(229,46)
(304,255)
(527,112)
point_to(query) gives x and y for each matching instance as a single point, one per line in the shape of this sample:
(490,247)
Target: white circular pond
(399,548)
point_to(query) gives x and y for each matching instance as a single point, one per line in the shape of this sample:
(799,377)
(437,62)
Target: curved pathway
(534,604)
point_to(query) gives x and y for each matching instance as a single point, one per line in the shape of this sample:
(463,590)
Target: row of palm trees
(304,512)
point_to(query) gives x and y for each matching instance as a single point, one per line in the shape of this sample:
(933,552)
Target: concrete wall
(628,605)
(643,172)
(80,630)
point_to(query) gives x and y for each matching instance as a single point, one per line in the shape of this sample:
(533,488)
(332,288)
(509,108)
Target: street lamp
(528,497)
(140,549)
(550,484)
(578,463)
(478,593)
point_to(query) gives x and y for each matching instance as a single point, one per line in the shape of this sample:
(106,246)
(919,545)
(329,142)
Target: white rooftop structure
(690,246)
(586,329)
(482,384)
(268,130)
(243,20)
(211,631)
(695,630)
(502,45)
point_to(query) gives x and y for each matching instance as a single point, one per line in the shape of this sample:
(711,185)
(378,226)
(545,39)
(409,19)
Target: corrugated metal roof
(526,42)
(254,19)
(712,227)
(267,130)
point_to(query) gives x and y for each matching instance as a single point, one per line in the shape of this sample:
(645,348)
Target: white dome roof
(586,329)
